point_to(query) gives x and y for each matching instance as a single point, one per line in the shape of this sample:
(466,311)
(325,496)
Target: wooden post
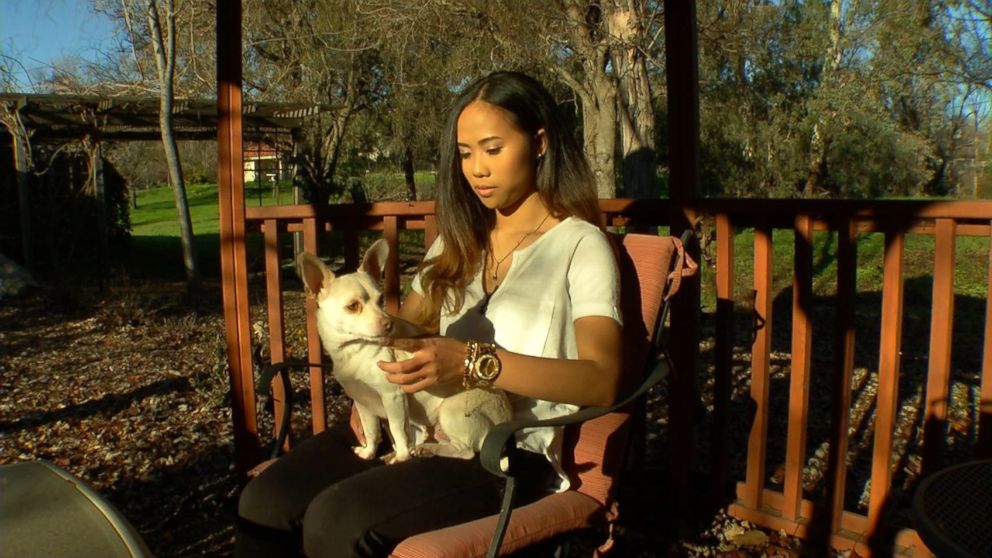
(277,328)
(941,337)
(234,274)
(890,347)
(800,375)
(297,194)
(318,402)
(757,444)
(681,59)
(724,350)
(830,513)
(984,447)
(100,201)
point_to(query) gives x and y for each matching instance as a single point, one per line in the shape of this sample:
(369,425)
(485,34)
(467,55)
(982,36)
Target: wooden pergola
(96,119)
(54,117)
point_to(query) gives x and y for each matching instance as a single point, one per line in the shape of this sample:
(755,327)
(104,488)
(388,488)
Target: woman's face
(499,160)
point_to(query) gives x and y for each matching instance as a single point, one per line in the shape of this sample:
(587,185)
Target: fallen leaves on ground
(128,390)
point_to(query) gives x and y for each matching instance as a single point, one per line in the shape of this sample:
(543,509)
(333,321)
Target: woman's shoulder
(574,232)
(436,247)
(576,229)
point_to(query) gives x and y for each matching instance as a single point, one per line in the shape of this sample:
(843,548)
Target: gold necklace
(499,261)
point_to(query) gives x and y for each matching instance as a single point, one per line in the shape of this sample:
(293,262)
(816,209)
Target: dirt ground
(127,388)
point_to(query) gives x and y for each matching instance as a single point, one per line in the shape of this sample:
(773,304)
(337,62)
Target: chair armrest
(500,442)
(263,388)
(269,372)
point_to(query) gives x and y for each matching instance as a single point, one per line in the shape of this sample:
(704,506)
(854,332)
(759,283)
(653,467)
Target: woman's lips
(485,191)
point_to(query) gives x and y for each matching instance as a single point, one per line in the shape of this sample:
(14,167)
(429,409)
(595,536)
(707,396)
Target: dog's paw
(423,450)
(364,452)
(429,449)
(392,458)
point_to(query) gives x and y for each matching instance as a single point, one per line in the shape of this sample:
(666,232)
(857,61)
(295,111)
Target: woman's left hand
(437,363)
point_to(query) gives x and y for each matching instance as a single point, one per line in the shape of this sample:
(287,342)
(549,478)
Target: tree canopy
(826,98)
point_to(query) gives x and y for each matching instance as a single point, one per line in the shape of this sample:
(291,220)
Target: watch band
(471,350)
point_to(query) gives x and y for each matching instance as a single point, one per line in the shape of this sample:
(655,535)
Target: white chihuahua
(351,322)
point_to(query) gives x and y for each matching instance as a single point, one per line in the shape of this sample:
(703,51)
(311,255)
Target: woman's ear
(540,143)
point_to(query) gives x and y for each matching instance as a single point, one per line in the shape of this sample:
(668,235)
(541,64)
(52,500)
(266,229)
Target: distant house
(265,163)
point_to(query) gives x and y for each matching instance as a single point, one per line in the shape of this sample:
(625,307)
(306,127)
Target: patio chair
(651,268)
(46,511)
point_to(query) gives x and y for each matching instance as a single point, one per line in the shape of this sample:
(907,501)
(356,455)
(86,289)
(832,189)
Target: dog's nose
(388,326)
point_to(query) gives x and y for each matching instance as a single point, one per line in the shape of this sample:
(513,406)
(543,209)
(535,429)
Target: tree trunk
(320,154)
(598,92)
(409,175)
(599,131)
(816,171)
(100,205)
(179,194)
(11,120)
(164,44)
(634,108)
(817,167)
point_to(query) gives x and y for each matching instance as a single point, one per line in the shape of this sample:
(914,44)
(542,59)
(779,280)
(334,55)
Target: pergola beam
(68,117)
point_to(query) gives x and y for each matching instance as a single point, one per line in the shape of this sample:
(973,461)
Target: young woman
(521,285)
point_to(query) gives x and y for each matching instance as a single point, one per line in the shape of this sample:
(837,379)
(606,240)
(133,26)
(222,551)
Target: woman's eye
(494,150)
(464,155)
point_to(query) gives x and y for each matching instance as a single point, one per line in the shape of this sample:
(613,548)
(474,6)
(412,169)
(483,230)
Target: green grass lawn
(155,245)
(155,250)
(156,211)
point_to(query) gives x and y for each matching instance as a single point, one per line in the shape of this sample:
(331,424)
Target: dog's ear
(313,272)
(374,262)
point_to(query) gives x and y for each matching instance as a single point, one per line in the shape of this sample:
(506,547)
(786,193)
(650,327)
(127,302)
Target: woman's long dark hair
(564,182)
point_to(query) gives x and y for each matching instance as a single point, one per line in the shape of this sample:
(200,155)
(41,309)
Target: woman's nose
(478,169)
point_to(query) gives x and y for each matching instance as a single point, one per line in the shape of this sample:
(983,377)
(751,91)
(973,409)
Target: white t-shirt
(568,273)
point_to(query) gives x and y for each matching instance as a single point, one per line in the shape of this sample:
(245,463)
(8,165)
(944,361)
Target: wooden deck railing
(388,217)
(822,517)
(826,518)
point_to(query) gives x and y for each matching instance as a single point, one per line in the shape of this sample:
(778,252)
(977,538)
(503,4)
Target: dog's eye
(354,307)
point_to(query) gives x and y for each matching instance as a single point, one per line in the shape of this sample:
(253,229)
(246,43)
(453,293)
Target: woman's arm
(592,379)
(405,321)
(438,363)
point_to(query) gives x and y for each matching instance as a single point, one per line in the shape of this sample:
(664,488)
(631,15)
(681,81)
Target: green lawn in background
(971,263)
(156,249)
(156,211)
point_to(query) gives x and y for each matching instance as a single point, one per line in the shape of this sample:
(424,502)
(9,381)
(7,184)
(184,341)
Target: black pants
(341,506)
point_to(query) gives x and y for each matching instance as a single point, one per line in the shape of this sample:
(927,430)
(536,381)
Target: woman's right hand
(435,363)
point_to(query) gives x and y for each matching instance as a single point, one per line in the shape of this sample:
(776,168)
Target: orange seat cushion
(552,515)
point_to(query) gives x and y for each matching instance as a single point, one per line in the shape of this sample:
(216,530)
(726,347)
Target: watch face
(487,367)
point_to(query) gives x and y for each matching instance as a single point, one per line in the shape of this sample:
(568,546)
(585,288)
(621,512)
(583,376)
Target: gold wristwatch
(482,365)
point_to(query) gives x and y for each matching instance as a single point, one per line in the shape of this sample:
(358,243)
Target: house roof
(62,117)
